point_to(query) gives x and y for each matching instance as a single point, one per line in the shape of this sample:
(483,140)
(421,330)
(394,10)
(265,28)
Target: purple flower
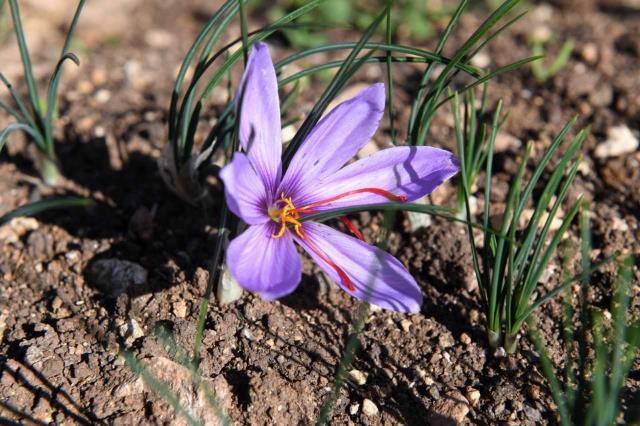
(263,258)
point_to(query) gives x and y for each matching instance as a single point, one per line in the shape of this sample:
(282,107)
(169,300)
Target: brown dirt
(274,363)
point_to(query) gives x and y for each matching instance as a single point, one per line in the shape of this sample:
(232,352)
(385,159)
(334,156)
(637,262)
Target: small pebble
(473,396)
(228,290)
(481,60)
(406,325)
(500,353)
(534,392)
(180,309)
(589,53)
(358,377)
(56,303)
(369,408)
(620,140)
(353,409)
(102,96)
(465,339)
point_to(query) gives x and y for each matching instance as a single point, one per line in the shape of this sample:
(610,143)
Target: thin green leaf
(350,65)
(386,47)
(25,128)
(24,55)
(52,92)
(160,387)
(44,205)
(549,372)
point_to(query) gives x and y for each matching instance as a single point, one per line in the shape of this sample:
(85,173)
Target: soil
(64,330)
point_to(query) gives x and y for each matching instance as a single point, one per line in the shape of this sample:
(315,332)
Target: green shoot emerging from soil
(590,391)
(511,262)
(35,116)
(540,71)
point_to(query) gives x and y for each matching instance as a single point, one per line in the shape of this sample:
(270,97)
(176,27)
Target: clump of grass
(182,169)
(475,135)
(35,116)
(589,392)
(509,265)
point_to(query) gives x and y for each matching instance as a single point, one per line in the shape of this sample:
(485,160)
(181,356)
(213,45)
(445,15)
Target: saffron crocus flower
(263,258)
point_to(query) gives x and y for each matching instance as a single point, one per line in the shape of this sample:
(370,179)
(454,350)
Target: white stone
(620,140)
(481,60)
(369,408)
(358,377)
(228,290)
(180,309)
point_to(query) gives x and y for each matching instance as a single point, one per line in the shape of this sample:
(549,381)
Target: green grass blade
(11,111)
(160,387)
(390,75)
(549,372)
(243,30)
(531,283)
(349,66)
(186,114)
(619,307)
(563,286)
(486,249)
(497,285)
(562,58)
(349,353)
(386,47)
(490,76)
(431,99)
(187,61)
(44,205)
(24,55)
(21,105)
(72,27)
(465,185)
(597,409)
(528,267)
(52,92)
(537,173)
(338,63)
(522,260)
(453,22)
(25,128)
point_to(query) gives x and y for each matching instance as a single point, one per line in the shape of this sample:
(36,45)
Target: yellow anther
(288,214)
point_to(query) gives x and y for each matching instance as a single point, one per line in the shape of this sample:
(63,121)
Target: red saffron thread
(384,193)
(355,231)
(343,275)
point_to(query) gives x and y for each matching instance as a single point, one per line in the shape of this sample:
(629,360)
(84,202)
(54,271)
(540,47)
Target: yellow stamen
(288,214)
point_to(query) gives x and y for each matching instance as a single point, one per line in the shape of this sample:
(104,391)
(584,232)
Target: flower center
(284,212)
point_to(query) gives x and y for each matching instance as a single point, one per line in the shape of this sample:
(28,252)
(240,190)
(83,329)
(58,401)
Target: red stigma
(355,231)
(378,191)
(343,275)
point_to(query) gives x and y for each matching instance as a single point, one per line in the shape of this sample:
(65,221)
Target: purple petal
(246,195)
(378,277)
(263,264)
(336,139)
(260,117)
(412,172)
